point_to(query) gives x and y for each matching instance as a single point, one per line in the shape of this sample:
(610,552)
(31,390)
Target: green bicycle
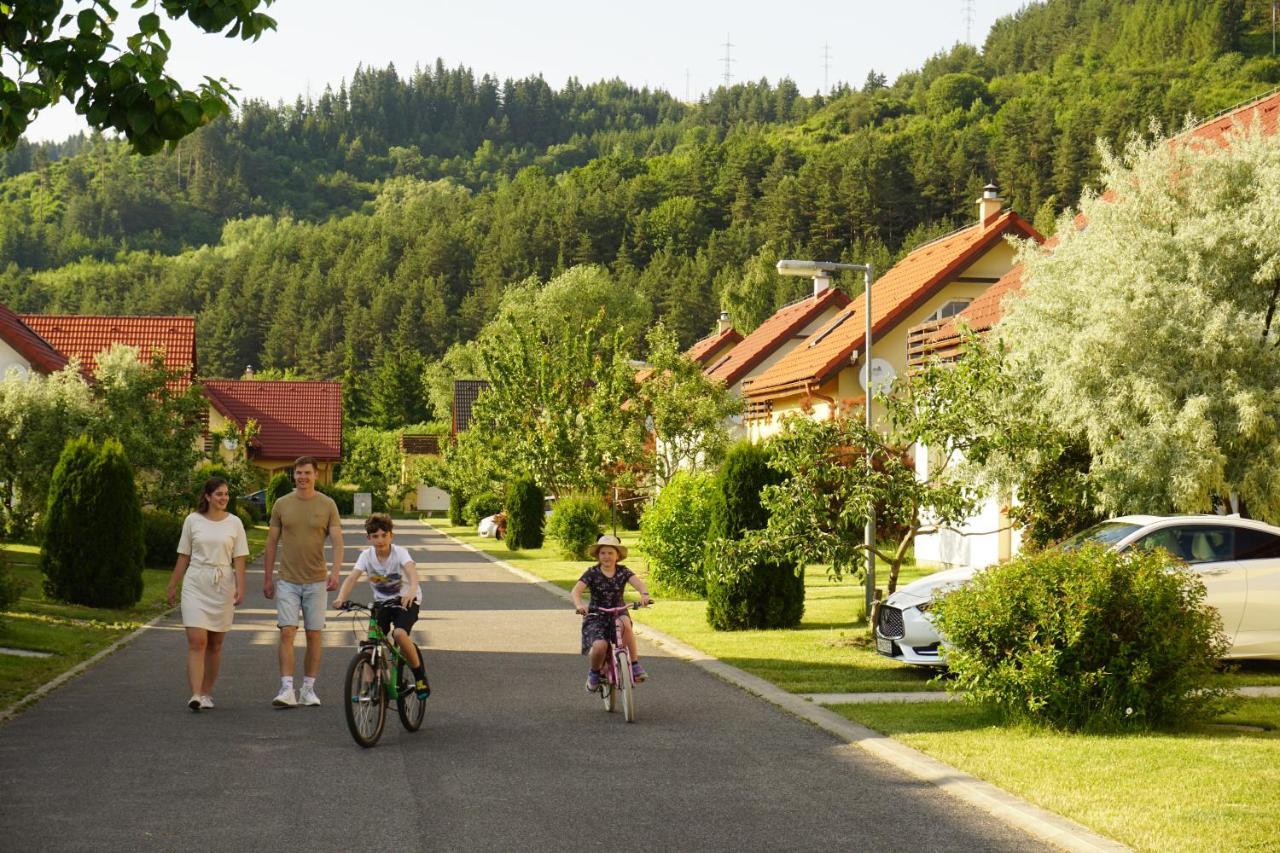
(377,675)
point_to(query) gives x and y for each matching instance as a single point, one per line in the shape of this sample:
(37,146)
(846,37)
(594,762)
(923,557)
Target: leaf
(141,117)
(149,24)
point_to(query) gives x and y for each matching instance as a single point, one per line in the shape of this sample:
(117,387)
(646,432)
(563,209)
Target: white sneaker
(206,703)
(285,698)
(308,696)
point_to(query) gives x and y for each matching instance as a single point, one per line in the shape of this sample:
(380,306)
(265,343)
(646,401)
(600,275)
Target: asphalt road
(513,754)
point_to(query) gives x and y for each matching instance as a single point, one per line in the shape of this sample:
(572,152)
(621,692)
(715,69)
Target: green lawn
(1209,789)
(71,632)
(828,653)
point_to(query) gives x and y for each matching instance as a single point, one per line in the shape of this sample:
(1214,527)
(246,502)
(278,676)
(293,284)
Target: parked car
(1237,559)
(257,503)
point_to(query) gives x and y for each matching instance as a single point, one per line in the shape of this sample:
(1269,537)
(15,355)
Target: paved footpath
(513,754)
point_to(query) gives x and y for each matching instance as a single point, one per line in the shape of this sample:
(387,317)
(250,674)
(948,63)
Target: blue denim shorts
(309,598)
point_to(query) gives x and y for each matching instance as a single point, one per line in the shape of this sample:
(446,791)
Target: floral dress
(605,592)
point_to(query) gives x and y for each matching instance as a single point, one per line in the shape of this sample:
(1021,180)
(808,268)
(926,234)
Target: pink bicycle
(616,677)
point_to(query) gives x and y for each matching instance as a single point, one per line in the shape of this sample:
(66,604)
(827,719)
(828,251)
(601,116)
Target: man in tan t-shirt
(300,521)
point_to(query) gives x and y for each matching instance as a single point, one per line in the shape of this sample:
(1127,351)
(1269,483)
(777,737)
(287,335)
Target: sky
(667,44)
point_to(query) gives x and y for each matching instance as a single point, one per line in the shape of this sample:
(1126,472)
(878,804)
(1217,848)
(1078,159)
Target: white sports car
(1237,559)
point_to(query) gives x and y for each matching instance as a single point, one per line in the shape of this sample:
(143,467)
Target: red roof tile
(712,346)
(1264,111)
(38,352)
(784,325)
(86,336)
(294,418)
(911,281)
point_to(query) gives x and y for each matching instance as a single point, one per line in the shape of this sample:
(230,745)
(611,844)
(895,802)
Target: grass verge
(1207,789)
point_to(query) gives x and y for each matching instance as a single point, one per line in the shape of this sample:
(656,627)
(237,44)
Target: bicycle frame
(379,645)
(610,656)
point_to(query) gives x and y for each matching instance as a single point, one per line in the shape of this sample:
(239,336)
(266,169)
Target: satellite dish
(230,443)
(882,376)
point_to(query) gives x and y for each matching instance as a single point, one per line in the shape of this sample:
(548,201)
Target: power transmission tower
(826,67)
(967,13)
(728,59)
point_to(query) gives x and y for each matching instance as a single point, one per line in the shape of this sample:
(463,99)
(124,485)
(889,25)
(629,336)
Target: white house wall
(9,358)
(973,543)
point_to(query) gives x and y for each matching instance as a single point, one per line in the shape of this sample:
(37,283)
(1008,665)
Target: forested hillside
(374,227)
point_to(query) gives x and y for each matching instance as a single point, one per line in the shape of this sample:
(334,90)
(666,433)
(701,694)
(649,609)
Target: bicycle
(617,660)
(370,685)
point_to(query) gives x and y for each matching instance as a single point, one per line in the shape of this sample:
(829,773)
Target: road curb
(57,681)
(1040,823)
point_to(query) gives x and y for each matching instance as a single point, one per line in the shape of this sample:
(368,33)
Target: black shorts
(395,613)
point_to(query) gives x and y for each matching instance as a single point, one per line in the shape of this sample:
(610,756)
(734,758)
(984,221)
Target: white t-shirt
(213,544)
(387,577)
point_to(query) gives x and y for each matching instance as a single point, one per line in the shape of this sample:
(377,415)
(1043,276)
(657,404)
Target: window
(1106,533)
(1256,545)
(951,309)
(1192,543)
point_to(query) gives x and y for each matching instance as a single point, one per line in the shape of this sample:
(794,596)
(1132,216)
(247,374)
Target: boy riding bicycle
(606,580)
(396,592)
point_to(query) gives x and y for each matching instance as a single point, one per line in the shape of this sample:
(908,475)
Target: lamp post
(820,272)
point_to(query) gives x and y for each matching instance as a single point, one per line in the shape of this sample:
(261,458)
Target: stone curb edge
(57,681)
(1040,823)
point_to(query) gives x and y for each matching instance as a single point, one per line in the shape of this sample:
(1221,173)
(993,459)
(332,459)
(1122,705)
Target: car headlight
(925,607)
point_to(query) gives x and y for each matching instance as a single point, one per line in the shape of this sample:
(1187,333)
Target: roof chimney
(990,204)
(248,371)
(821,283)
(725,323)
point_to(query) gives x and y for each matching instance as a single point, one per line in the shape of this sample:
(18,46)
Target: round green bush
(481,506)
(576,522)
(160,533)
(93,546)
(457,504)
(526,516)
(280,485)
(1086,640)
(246,518)
(673,533)
(745,589)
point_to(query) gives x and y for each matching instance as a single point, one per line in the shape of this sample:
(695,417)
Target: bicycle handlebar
(613,611)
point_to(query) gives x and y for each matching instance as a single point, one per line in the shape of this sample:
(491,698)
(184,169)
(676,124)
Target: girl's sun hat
(611,541)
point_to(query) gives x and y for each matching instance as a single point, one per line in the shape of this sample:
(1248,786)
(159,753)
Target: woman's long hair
(211,485)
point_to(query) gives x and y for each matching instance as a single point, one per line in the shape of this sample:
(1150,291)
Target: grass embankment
(70,633)
(828,653)
(1212,788)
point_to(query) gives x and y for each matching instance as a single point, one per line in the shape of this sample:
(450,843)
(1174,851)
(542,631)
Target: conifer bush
(745,587)
(1086,640)
(525,514)
(281,484)
(673,533)
(481,506)
(93,546)
(457,503)
(576,523)
(160,534)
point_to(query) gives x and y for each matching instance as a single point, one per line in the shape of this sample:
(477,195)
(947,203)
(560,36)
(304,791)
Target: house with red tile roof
(294,419)
(717,345)
(83,337)
(23,350)
(936,280)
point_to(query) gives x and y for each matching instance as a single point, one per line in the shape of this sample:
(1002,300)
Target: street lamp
(820,272)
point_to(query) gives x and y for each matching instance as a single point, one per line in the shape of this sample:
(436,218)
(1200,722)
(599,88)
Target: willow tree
(1153,333)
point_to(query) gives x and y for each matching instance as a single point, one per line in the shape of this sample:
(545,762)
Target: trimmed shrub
(576,522)
(281,484)
(345,497)
(673,533)
(526,515)
(456,502)
(746,589)
(93,546)
(10,587)
(246,517)
(481,506)
(160,534)
(1086,640)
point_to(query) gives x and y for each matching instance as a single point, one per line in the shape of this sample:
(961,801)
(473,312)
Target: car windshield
(1106,533)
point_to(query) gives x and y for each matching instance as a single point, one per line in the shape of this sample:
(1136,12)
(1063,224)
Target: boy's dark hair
(306,460)
(378,521)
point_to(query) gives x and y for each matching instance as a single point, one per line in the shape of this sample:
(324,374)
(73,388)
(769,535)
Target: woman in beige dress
(213,543)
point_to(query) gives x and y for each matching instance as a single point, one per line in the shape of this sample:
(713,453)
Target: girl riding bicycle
(606,580)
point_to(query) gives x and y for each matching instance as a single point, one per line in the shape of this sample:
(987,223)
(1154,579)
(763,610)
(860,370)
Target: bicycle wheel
(626,686)
(608,692)
(409,706)
(366,703)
